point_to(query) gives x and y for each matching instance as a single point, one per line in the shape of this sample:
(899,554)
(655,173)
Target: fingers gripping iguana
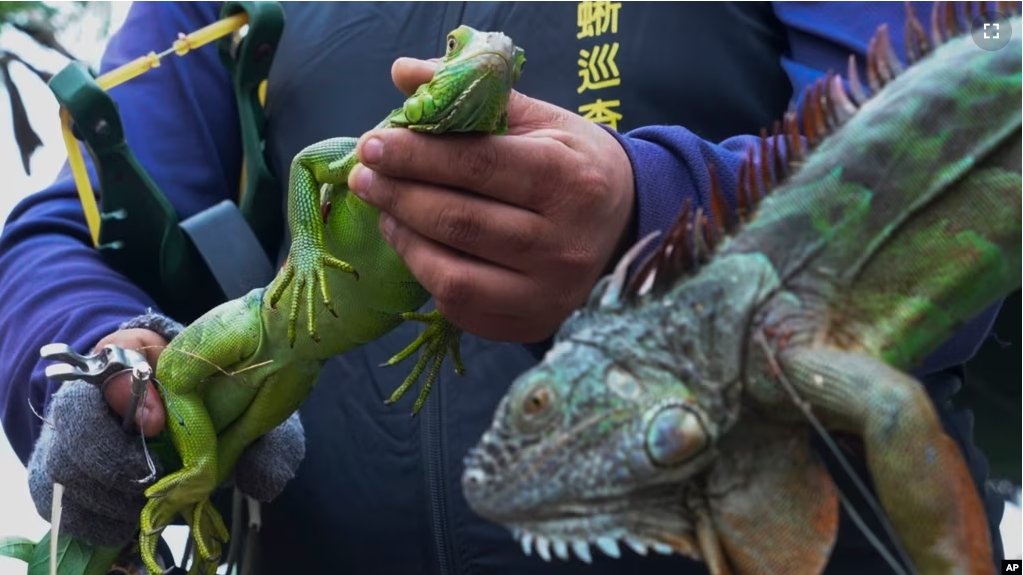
(241,369)
(674,412)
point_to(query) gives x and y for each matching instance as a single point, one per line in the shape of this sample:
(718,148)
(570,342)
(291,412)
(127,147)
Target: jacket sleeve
(180,121)
(670,162)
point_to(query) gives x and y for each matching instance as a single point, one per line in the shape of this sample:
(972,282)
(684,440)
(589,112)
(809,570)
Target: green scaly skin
(240,370)
(665,418)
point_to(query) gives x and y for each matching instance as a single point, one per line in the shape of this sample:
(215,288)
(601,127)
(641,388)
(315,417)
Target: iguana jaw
(653,518)
(657,521)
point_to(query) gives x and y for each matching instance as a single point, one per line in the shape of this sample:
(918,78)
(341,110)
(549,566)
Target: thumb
(151,416)
(409,73)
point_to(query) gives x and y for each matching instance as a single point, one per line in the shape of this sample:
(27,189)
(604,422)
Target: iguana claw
(440,338)
(306,277)
(171,496)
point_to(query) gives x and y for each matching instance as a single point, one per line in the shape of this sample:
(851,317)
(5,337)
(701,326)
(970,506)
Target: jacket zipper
(432,429)
(433,442)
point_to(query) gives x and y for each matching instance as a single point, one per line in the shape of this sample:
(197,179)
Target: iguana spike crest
(826,106)
(917,45)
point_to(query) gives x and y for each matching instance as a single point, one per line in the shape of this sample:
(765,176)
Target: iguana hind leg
(177,493)
(211,346)
(918,472)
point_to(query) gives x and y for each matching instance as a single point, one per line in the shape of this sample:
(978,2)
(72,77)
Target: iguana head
(593,445)
(469,91)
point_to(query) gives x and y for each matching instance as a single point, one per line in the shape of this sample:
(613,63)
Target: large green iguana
(672,411)
(239,370)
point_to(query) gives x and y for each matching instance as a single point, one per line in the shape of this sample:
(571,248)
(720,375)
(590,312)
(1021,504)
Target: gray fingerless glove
(267,465)
(161,324)
(100,466)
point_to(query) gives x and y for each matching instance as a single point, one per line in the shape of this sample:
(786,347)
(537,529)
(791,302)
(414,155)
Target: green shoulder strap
(140,233)
(249,64)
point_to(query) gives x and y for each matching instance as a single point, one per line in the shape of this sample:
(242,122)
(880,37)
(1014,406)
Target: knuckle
(576,257)
(397,238)
(452,289)
(524,239)
(386,193)
(477,159)
(549,182)
(591,182)
(459,224)
(401,149)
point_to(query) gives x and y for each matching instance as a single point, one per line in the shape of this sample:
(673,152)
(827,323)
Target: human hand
(508,233)
(151,416)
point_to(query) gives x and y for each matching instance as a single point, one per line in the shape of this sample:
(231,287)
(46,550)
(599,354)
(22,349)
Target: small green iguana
(672,411)
(239,370)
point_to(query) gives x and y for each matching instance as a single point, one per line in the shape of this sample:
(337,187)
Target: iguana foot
(209,534)
(183,492)
(305,272)
(208,530)
(440,338)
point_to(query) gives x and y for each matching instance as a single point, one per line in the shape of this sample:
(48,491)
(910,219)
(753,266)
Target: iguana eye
(536,408)
(674,435)
(452,43)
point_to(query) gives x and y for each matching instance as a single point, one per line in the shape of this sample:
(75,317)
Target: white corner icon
(991,26)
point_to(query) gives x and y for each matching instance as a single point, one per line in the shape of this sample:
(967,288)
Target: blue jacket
(379,492)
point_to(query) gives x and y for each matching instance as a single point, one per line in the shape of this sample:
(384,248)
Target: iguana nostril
(474,477)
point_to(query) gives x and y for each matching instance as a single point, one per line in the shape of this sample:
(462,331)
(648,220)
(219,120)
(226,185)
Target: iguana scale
(672,411)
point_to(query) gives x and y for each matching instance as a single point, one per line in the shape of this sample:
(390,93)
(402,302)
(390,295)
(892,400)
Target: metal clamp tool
(98,367)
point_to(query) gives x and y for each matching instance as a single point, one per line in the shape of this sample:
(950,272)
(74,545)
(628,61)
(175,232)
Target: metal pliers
(98,367)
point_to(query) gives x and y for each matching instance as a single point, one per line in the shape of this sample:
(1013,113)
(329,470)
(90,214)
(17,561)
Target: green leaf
(73,556)
(17,548)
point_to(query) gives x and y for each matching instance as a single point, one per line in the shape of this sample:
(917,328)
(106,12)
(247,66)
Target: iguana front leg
(919,475)
(439,338)
(325,162)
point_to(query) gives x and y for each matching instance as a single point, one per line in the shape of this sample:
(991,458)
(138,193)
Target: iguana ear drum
(674,435)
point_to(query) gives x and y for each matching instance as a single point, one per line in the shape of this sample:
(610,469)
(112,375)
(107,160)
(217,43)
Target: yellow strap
(85,194)
(183,45)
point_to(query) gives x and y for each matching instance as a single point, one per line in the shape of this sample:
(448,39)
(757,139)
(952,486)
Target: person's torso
(379,491)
